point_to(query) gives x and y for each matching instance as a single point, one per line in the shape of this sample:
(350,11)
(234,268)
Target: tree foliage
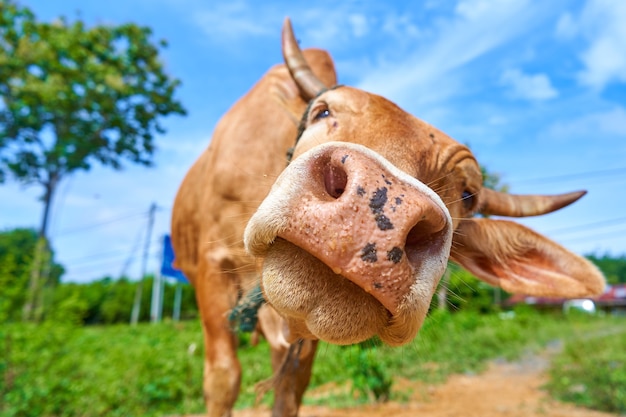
(104,301)
(73,95)
(16,258)
(108,301)
(493,180)
(613,267)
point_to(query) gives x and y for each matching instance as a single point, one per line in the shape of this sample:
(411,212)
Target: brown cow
(352,237)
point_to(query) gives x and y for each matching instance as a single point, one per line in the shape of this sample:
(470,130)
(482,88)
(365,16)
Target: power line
(611,235)
(99,224)
(566,177)
(134,317)
(132,254)
(99,255)
(575,229)
(113,261)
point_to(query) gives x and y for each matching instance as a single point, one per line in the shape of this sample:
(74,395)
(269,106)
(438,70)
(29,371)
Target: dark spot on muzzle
(395,254)
(360,191)
(383,222)
(377,204)
(343,159)
(378,200)
(368,253)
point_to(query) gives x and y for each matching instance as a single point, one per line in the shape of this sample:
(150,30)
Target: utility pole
(177,301)
(156,305)
(134,317)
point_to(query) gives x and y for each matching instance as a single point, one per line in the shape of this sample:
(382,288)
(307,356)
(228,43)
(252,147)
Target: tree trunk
(40,268)
(32,296)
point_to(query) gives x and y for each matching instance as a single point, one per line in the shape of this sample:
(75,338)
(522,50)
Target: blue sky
(537,89)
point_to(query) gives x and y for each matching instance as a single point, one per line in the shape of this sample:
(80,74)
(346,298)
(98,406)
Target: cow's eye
(469,200)
(321,114)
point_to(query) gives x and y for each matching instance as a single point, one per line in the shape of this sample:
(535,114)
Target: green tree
(613,267)
(108,301)
(493,180)
(16,257)
(72,96)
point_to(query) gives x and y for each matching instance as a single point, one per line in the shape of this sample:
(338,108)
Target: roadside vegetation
(591,371)
(82,358)
(60,369)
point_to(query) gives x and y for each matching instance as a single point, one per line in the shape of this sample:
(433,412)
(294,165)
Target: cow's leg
(216,293)
(292,370)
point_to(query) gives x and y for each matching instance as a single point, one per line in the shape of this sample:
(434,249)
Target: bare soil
(503,390)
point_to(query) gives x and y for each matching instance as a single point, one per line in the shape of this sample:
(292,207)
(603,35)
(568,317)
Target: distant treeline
(613,267)
(110,300)
(103,301)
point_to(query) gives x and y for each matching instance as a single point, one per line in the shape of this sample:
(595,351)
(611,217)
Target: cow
(346,210)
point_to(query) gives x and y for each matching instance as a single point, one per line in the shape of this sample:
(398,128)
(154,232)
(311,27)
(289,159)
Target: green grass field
(156,370)
(592,372)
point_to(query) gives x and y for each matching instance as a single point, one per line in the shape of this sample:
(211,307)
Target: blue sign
(167,269)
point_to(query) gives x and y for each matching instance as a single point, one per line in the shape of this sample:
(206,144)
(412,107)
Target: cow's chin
(318,303)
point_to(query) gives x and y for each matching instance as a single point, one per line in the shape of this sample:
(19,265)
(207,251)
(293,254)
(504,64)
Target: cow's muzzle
(363,218)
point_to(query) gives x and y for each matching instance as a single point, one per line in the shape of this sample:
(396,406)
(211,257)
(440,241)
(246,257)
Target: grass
(449,344)
(156,370)
(592,372)
(58,370)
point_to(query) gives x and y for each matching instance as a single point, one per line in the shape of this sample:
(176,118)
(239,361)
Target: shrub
(592,372)
(370,379)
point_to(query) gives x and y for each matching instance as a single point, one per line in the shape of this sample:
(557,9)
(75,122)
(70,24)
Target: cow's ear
(506,254)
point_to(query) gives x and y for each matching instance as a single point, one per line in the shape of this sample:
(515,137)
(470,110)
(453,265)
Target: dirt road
(504,390)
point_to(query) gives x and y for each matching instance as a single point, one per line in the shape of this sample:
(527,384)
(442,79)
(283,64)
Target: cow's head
(358,229)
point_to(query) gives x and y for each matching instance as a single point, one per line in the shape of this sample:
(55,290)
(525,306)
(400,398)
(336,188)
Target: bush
(592,372)
(57,369)
(109,301)
(370,380)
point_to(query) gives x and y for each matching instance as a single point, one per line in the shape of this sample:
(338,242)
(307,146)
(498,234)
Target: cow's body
(352,237)
(217,197)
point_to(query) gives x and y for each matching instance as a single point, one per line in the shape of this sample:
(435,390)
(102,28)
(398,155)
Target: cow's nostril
(424,237)
(335,180)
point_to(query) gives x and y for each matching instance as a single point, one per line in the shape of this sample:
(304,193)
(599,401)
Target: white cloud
(359,25)
(241,20)
(400,26)
(566,28)
(605,61)
(232,20)
(476,28)
(601,24)
(526,86)
(609,124)
(476,9)
(345,25)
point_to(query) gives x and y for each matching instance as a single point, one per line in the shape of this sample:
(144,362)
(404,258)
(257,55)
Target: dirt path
(504,390)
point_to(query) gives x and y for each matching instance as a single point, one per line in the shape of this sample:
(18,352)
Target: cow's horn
(511,205)
(309,84)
